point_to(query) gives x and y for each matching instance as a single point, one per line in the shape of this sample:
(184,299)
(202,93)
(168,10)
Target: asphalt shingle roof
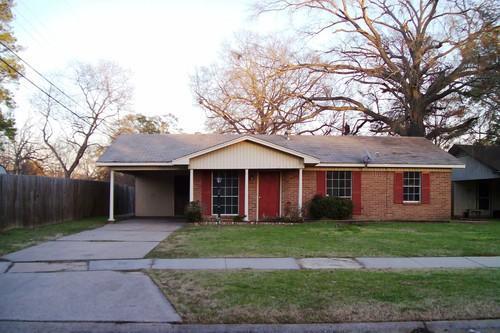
(164,148)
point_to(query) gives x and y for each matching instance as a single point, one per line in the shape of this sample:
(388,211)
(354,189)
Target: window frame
(344,188)
(419,186)
(213,197)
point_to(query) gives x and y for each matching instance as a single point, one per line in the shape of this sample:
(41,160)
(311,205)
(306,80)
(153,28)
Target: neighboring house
(260,176)
(476,189)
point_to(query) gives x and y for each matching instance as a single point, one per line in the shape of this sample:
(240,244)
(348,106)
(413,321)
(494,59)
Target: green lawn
(329,239)
(331,296)
(16,239)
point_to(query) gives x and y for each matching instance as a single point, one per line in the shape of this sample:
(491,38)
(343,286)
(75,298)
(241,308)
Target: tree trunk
(416,126)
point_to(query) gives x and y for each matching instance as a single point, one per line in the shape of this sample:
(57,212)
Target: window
(339,184)
(411,186)
(225,194)
(483,196)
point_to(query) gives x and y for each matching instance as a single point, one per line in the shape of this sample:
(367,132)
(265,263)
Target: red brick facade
(378,200)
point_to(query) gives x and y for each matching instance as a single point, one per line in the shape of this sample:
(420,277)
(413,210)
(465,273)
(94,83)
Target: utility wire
(36,71)
(37,86)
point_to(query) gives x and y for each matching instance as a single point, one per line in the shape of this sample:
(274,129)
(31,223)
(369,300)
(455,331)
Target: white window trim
(212,194)
(326,185)
(419,189)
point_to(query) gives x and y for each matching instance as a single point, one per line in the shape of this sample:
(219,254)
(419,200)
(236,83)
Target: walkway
(253,263)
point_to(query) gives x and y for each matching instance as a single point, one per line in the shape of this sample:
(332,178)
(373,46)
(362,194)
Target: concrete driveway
(130,239)
(29,293)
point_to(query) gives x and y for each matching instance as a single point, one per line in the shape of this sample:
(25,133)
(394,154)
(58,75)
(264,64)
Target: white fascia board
(132,164)
(184,160)
(340,165)
(430,166)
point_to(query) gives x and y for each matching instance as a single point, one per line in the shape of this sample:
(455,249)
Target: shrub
(238,218)
(330,207)
(193,212)
(293,215)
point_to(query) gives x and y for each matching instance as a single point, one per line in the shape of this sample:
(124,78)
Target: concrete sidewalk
(462,326)
(254,263)
(83,296)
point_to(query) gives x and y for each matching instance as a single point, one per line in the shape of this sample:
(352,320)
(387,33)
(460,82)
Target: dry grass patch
(331,296)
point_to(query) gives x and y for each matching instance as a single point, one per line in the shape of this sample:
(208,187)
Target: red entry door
(269,194)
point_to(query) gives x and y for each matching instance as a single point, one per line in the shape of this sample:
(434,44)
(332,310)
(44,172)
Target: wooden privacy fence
(27,201)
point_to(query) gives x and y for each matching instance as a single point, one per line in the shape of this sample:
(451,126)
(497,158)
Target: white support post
(191,185)
(111,196)
(300,192)
(246,195)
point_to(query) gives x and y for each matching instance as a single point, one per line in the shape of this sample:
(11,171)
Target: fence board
(27,201)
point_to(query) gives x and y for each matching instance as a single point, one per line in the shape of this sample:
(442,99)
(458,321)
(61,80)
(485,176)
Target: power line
(37,72)
(38,87)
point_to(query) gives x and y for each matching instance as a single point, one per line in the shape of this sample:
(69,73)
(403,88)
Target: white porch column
(111,196)
(246,195)
(191,186)
(300,192)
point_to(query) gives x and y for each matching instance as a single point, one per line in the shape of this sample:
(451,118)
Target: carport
(159,191)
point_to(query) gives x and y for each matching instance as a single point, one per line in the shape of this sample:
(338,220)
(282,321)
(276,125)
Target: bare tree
(100,92)
(406,65)
(22,151)
(249,92)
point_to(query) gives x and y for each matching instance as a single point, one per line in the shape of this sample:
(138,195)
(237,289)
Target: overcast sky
(161,42)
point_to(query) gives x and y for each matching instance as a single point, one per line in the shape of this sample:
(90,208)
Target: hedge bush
(330,207)
(193,212)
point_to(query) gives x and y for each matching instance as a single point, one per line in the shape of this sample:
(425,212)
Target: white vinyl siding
(246,155)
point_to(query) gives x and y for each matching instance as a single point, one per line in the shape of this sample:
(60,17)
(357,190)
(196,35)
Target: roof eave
(392,165)
(121,164)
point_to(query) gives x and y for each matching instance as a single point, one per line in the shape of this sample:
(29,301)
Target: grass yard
(331,296)
(17,239)
(330,239)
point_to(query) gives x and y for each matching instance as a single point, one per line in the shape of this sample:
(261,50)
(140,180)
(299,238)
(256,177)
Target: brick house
(261,176)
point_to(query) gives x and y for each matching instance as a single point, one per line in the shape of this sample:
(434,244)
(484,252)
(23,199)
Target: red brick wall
(289,191)
(377,202)
(252,195)
(197,185)
(309,188)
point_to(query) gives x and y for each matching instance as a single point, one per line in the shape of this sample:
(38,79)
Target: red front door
(269,194)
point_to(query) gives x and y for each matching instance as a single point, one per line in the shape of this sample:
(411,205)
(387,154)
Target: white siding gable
(246,155)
